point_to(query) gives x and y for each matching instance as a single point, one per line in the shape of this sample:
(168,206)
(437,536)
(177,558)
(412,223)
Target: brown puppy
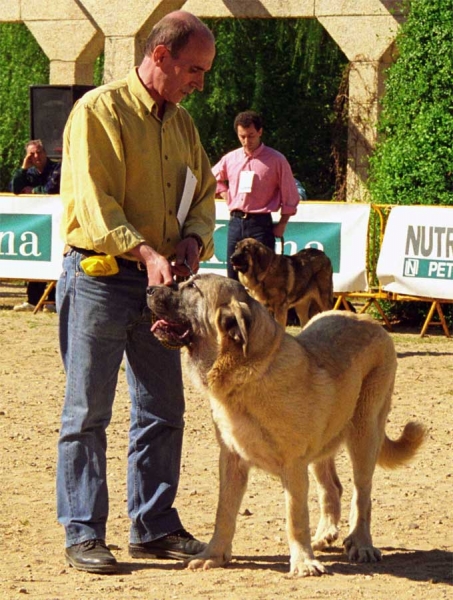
(303,280)
(283,403)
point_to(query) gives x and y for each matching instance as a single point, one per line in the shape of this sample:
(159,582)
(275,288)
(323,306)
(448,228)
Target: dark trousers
(35,289)
(259,227)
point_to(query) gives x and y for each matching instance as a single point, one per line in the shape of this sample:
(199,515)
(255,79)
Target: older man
(129,149)
(37,175)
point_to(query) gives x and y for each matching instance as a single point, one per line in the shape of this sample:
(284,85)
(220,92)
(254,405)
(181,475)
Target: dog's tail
(395,453)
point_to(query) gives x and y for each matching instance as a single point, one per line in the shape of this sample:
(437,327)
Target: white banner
(30,243)
(416,256)
(338,228)
(31,248)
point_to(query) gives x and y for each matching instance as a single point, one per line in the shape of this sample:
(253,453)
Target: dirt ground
(412,507)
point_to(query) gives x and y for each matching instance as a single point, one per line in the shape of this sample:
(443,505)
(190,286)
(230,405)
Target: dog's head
(206,313)
(251,258)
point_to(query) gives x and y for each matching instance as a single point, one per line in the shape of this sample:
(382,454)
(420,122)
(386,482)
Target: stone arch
(72,33)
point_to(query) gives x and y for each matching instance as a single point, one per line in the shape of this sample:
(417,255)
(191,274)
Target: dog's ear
(263,258)
(233,322)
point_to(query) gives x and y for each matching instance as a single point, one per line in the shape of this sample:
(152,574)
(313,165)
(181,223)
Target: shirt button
(170,212)
(168,184)
(168,240)
(166,157)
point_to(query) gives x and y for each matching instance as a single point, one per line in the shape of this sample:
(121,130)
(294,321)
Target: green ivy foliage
(413,162)
(22,63)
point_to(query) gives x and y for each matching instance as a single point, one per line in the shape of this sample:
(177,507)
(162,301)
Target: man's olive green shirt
(124,170)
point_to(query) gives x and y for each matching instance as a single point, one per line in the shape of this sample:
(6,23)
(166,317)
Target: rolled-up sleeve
(289,194)
(219,171)
(94,181)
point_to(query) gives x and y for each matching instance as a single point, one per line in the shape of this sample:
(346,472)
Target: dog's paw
(205,563)
(361,553)
(325,538)
(307,568)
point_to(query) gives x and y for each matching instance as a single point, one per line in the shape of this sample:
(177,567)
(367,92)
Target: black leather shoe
(179,544)
(92,556)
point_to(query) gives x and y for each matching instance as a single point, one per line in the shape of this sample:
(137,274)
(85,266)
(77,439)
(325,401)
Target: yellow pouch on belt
(99,266)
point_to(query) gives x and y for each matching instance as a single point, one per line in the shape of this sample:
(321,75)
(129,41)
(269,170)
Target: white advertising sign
(31,248)
(416,256)
(338,228)
(30,243)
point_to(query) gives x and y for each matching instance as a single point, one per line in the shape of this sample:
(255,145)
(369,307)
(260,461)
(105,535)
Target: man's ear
(233,321)
(159,53)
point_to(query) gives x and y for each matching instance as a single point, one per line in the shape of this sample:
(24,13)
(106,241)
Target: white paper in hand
(187,196)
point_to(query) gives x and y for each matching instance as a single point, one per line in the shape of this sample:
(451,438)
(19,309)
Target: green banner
(325,236)
(25,237)
(428,268)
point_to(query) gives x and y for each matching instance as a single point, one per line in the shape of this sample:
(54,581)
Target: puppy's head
(251,258)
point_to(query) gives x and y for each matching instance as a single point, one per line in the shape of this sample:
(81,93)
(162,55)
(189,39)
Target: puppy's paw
(307,568)
(361,553)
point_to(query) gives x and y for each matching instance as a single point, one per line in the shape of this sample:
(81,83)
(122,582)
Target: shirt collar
(257,152)
(141,93)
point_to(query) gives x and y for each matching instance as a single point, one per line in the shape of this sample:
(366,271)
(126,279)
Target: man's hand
(28,161)
(187,259)
(157,266)
(279,228)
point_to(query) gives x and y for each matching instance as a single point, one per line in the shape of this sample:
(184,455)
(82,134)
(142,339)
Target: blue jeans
(103,319)
(259,227)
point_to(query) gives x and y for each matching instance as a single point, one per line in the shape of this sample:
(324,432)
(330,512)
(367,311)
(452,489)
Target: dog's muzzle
(238,265)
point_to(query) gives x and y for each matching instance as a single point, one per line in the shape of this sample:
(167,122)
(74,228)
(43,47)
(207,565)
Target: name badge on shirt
(245,181)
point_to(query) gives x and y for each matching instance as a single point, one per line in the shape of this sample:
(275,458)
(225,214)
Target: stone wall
(72,33)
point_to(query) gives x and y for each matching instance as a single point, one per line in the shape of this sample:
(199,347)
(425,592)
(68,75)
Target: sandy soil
(412,507)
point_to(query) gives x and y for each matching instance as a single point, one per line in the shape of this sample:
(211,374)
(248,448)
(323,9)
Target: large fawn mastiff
(283,404)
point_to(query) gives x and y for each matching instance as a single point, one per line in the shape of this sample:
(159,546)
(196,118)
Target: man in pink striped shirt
(255,181)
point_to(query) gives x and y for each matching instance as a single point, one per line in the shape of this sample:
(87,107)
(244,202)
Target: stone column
(71,41)
(364,33)
(122,26)
(10,11)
